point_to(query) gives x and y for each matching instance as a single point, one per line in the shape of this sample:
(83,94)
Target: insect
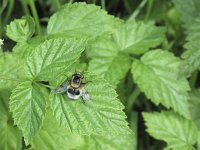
(74,88)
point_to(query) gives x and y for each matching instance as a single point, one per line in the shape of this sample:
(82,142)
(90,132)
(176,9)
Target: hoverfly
(74,88)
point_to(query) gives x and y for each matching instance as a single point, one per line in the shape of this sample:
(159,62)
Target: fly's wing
(61,89)
(85,95)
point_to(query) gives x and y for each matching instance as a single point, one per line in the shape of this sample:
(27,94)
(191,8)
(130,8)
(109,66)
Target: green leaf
(28,102)
(25,49)
(178,132)
(102,115)
(9,135)
(4,99)
(108,61)
(193,31)
(111,142)
(194,106)
(189,10)
(21,30)
(109,56)
(192,53)
(52,136)
(52,57)
(81,18)
(137,37)
(157,75)
(11,71)
(191,56)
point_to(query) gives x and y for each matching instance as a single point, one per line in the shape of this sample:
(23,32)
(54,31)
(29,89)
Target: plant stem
(57,4)
(133,119)
(71,1)
(193,79)
(127,5)
(103,4)
(25,7)
(132,98)
(149,9)
(10,8)
(1,28)
(137,11)
(35,15)
(94,1)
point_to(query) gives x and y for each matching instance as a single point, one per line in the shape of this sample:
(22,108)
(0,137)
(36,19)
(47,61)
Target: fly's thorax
(76,80)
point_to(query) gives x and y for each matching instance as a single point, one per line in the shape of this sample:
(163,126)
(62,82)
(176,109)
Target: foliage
(145,60)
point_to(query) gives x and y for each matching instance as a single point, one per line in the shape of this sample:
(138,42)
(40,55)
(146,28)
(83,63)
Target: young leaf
(52,57)
(10,71)
(21,30)
(107,60)
(25,49)
(137,37)
(157,75)
(28,102)
(108,53)
(178,132)
(52,136)
(85,19)
(102,115)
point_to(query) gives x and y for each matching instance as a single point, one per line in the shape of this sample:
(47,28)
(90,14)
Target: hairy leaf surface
(52,57)
(102,115)
(109,56)
(193,31)
(111,142)
(178,132)
(10,71)
(137,37)
(25,49)
(191,55)
(21,30)
(108,61)
(28,102)
(52,136)
(157,75)
(81,18)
